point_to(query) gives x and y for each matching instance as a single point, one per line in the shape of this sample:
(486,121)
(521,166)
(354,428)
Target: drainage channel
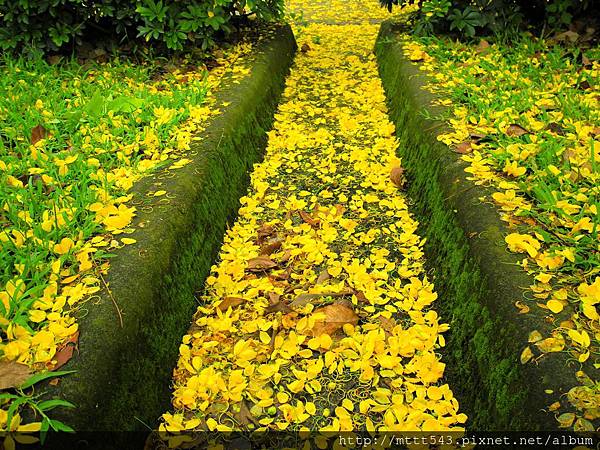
(319,314)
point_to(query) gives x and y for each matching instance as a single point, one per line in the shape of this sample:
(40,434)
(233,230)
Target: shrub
(53,24)
(469,17)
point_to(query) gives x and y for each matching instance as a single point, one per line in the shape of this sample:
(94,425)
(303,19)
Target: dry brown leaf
(230,302)
(516,130)
(287,255)
(265,231)
(340,209)
(482,47)
(387,324)
(63,355)
(585,60)
(37,134)
(476,137)
(323,277)
(278,307)
(556,128)
(261,263)
(271,245)
(13,374)
(309,219)
(567,36)
(336,316)
(304,299)
(54,59)
(244,416)
(397,176)
(568,324)
(360,296)
(463,148)
(584,85)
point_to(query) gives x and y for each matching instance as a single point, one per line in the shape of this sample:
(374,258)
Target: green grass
(531,113)
(73,140)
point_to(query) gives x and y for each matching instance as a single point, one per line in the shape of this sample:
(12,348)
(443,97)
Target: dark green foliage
(52,24)
(501,17)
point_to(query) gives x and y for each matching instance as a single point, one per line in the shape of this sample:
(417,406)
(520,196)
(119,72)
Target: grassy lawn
(74,138)
(526,116)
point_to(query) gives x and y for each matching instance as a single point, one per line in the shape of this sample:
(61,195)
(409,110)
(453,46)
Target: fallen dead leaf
(244,416)
(463,148)
(361,297)
(278,307)
(387,324)
(37,134)
(556,128)
(230,302)
(13,374)
(265,231)
(586,61)
(340,209)
(261,263)
(567,36)
(397,176)
(336,316)
(271,245)
(584,85)
(515,130)
(323,277)
(63,355)
(287,255)
(309,219)
(482,47)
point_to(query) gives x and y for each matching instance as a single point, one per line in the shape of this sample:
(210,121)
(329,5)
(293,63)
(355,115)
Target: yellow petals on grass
(328,304)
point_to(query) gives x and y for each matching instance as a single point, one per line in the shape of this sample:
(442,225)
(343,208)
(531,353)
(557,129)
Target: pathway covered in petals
(319,313)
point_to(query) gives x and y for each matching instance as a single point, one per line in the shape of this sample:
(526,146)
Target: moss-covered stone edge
(123,374)
(477,280)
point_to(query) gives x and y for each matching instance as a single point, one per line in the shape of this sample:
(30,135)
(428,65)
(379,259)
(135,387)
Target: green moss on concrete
(124,374)
(477,280)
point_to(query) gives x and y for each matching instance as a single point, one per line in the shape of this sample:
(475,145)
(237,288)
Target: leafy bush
(52,24)
(470,17)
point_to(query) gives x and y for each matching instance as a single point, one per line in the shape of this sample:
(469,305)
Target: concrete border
(124,374)
(477,279)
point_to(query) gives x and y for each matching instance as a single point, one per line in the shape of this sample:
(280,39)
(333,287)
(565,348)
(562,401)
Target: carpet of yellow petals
(66,201)
(318,315)
(533,134)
